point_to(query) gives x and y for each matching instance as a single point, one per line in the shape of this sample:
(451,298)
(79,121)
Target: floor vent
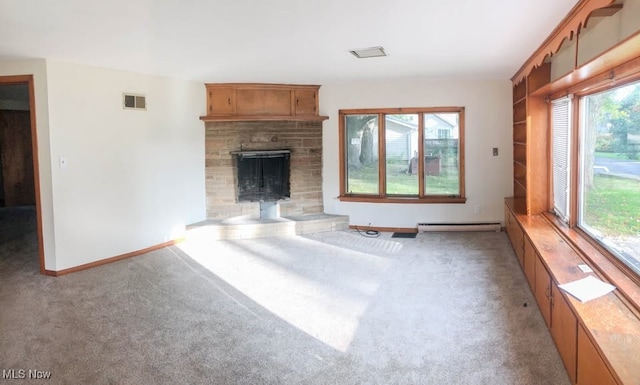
(425,227)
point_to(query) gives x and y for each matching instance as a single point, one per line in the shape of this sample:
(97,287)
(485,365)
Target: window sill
(405,200)
(628,287)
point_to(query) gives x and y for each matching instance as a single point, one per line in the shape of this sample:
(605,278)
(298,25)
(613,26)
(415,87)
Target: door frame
(28,80)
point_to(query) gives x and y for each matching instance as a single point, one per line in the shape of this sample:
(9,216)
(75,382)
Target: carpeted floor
(329,308)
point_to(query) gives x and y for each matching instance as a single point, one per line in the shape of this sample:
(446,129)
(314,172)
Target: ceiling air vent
(364,53)
(134,102)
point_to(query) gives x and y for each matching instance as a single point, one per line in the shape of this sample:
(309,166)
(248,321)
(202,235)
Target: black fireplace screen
(263,176)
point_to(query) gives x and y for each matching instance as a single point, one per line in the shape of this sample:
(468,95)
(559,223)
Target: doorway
(20,204)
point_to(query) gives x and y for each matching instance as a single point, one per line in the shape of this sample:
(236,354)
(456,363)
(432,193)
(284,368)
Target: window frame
(605,259)
(382,196)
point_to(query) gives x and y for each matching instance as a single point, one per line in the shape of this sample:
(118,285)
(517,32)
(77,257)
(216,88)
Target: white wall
(488,124)
(133,179)
(37,68)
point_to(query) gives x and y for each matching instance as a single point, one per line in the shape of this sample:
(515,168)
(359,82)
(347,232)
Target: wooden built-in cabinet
(529,264)
(564,330)
(221,101)
(306,101)
(253,101)
(530,152)
(555,310)
(547,261)
(591,368)
(515,235)
(542,290)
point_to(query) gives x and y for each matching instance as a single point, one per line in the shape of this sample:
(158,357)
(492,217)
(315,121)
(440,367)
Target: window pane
(441,155)
(362,154)
(610,171)
(560,125)
(401,146)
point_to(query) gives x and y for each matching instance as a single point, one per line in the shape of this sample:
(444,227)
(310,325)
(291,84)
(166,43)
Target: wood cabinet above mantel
(262,101)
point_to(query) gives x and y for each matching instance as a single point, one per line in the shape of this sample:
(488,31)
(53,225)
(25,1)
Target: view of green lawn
(613,205)
(612,155)
(365,181)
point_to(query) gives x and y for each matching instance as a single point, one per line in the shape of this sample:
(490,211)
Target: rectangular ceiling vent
(364,53)
(134,102)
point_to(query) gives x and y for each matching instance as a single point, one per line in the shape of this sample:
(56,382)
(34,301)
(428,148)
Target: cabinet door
(518,239)
(591,369)
(221,101)
(508,220)
(543,290)
(306,102)
(263,101)
(564,330)
(529,262)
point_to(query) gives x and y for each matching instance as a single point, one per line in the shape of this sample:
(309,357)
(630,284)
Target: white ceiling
(284,41)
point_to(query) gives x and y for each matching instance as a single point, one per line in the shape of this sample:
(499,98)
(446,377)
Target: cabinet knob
(229,101)
(297,102)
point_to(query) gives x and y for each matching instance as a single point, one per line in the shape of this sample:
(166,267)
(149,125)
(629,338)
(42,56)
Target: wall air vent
(134,102)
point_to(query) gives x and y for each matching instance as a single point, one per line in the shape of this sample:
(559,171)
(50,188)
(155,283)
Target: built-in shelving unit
(530,181)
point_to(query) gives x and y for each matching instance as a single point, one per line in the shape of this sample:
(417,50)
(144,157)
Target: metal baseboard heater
(486,226)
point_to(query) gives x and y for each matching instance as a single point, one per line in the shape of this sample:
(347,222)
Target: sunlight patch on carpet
(321,296)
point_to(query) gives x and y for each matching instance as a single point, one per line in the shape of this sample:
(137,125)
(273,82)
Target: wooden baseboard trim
(53,273)
(385,229)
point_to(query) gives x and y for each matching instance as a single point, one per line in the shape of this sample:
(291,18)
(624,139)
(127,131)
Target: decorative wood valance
(568,28)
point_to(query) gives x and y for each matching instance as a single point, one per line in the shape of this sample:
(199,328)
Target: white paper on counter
(588,288)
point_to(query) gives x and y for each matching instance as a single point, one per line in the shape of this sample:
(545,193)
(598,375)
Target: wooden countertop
(611,324)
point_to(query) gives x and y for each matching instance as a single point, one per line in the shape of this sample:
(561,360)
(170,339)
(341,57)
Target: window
(380,152)
(444,133)
(609,177)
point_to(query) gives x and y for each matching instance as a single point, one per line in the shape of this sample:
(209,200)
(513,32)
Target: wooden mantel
(229,102)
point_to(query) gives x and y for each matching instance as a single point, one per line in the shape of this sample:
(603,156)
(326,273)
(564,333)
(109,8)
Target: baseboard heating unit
(425,227)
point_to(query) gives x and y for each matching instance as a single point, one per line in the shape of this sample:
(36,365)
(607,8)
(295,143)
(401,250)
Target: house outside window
(443,133)
(381,148)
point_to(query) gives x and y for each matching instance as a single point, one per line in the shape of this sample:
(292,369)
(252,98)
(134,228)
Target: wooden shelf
(520,111)
(520,153)
(530,116)
(520,132)
(539,77)
(519,171)
(519,191)
(519,91)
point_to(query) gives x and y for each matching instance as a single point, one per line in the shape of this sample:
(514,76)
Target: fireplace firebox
(262,175)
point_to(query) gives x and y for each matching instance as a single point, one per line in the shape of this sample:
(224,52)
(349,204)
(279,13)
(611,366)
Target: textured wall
(304,139)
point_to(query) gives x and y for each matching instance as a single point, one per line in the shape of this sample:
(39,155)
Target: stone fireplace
(228,143)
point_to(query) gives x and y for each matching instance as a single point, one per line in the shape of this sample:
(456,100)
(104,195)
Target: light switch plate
(495,151)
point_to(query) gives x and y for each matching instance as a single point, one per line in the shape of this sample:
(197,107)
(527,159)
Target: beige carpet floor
(328,308)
